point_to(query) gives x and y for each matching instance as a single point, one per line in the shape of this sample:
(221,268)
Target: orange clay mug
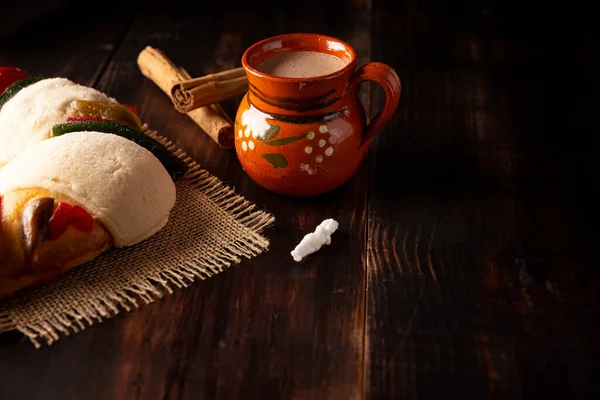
(304,136)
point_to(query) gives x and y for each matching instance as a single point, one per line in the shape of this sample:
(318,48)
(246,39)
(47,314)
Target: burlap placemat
(211,228)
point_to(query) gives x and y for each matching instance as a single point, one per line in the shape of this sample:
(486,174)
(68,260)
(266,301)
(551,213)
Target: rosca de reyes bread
(33,109)
(77,177)
(67,199)
(34,106)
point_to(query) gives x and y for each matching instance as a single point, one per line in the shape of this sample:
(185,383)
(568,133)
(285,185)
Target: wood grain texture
(472,187)
(64,43)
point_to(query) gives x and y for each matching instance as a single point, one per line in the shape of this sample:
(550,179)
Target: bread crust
(51,258)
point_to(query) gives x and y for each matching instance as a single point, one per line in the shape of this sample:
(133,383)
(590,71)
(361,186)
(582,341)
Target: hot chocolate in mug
(300,130)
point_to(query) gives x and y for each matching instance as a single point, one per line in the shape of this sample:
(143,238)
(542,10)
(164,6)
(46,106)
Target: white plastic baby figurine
(314,241)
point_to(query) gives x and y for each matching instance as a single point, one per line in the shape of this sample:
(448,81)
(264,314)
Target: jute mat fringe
(211,228)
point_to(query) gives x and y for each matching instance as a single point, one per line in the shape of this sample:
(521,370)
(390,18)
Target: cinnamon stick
(213,120)
(213,88)
(219,76)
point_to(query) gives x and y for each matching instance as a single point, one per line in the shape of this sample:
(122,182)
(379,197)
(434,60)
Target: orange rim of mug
(256,47)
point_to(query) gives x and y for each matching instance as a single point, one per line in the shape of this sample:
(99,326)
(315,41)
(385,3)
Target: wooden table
(466,264)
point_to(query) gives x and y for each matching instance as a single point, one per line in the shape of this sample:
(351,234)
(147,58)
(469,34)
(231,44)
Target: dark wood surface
(466,263)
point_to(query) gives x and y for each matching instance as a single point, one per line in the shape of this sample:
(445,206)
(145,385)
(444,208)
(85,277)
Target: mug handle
(387,78)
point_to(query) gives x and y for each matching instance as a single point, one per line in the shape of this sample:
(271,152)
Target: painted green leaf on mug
(277,160)
(270,133)
(281,142)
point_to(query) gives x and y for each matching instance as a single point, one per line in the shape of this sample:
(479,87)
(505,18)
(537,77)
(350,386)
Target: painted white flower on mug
(255,122)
